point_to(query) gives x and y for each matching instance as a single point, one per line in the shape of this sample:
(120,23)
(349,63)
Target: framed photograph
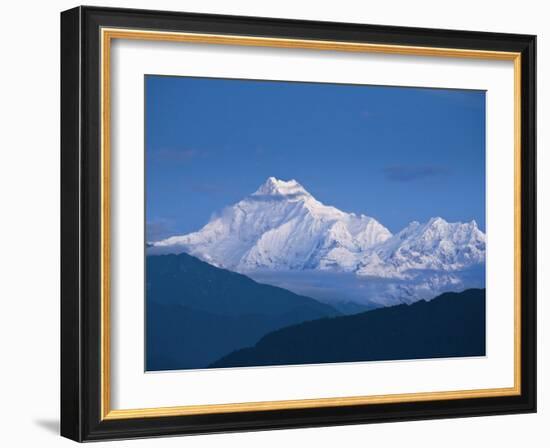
(273,223)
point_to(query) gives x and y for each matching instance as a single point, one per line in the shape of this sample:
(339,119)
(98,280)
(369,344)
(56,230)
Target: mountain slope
(435,245)
(450,325)
(180,337)
(187,281)
(196,312)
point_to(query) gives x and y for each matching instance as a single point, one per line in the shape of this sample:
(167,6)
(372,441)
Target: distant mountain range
(282,228)
(196,313)
(450,325)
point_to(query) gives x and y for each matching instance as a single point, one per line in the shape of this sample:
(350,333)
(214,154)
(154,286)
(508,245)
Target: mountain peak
(436,222)
(440,224)
(277,187)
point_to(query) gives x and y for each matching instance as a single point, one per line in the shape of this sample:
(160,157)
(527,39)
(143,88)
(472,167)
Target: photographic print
(293,223)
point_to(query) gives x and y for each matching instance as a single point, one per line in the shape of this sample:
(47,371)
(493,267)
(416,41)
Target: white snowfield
(282,227)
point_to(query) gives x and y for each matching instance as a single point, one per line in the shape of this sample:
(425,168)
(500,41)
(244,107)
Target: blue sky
(395,153)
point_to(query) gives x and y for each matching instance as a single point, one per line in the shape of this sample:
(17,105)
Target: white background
(132,388)
(29,178)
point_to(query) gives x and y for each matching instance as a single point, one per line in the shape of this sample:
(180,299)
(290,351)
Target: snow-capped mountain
(282,227)
(436,245)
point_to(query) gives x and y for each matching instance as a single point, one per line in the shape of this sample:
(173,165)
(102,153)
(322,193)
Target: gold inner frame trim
(107,35)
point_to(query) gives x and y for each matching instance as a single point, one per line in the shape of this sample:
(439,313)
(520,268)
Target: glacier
(282,228)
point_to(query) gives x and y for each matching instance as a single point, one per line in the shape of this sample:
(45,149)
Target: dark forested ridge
(197,313)
(201,316)
(451,325)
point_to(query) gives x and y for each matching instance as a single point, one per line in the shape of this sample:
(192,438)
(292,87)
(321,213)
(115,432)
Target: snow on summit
(282,227)
(436,245)
(276,187)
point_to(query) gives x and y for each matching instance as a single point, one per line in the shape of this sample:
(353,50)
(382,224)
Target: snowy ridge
(436,245)
(282,227)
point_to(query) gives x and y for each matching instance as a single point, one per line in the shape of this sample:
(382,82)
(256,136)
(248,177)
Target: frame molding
(86,34)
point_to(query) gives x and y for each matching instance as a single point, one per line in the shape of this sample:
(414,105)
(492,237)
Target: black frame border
(81,224)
